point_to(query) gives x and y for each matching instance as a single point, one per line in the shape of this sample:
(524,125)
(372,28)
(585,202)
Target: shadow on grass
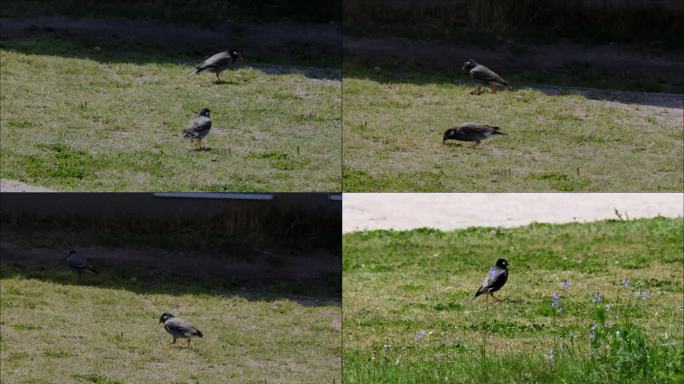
(578,78)
(308,280)
(285,46)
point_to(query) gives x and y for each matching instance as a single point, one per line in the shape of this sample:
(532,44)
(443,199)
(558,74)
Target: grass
(394,120)
(108,116)
(409,318)
(103,331)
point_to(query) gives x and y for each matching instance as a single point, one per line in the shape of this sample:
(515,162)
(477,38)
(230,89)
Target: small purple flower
(565,284)
(556,300)
(597,298)
(420,335)
(625,283)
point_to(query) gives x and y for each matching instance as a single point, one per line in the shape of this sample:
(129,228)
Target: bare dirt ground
(247,37)
(18,186)
(444,211)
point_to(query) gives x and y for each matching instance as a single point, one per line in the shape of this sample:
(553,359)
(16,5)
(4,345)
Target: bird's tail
(195,71)
(199,334)
(478,293)
(497,131)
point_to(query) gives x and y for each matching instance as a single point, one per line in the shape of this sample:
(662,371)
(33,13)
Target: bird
(496,278)
(178,328)
(199,127)
(218,63)
(80,264)
(471,132)
(484,75)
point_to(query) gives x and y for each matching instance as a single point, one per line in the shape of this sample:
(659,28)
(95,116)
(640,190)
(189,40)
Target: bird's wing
(214,60)
(480,72)
(198,125)
(181,326)
(477,128)
(494,279)
(80,263)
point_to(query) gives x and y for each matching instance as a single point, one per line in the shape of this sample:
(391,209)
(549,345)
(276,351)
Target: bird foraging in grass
(178,328)
(483,75)
(198,128)
(471,132)
(80,264)
(218,63)
(496,278)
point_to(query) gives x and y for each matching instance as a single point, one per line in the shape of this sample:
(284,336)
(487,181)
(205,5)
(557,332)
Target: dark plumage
(218,63)
(496,278)
(178,328)
(80,264)
(471,132)
(484,75)
(199,127)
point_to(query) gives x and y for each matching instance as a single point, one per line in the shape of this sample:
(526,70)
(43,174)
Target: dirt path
(248,37)
(18,186)
(450,211)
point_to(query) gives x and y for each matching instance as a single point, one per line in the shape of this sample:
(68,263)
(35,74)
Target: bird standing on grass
(80,264)
(484,75)
(471,132)
(199,127)
(218,63)
(496,278)
(178,328)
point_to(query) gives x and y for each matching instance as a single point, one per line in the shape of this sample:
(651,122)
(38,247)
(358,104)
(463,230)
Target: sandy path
(451,211)
(18,186)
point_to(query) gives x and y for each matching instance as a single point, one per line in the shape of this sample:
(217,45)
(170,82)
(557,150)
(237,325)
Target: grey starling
(471,132)
(496,278)
(199,127)
(80,264)
(178,328)
(484,75)
(218,63)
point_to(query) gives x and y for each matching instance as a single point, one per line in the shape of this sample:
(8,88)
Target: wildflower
(565,284)
(609,307)
(625,283)
(551,357)
(560,310)
(388,346)
(597,297)
(643,294)
(420,335)
(592,332)
(556,300)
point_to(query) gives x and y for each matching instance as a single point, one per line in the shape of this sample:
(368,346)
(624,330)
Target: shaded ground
(606,66)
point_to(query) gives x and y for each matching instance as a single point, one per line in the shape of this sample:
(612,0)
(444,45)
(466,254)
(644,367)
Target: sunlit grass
(408,314)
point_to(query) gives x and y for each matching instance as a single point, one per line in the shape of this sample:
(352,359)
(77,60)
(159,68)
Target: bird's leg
(199,142)
(486,297)
(493,87)
(217,76)
(476,144)
(188,343)
(496,298)
(174,341)
(474,91)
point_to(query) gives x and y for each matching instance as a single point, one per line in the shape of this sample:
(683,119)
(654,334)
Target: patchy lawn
(394,119)
(409,318)
(83,117)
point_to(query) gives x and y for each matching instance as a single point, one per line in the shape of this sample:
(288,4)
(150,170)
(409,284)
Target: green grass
(108,116)
(103,331)
(399,283)
(394,121)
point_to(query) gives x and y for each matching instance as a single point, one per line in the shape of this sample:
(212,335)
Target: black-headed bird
(496,278)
